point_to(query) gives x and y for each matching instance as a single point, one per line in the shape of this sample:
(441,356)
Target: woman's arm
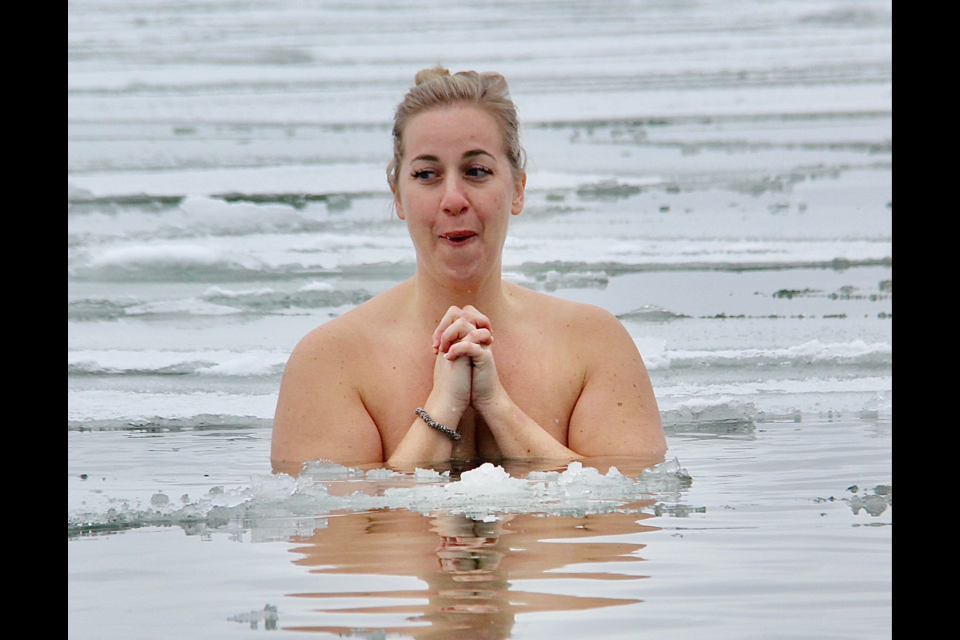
(446,404)
(466,335)
(615,414)
(320,413)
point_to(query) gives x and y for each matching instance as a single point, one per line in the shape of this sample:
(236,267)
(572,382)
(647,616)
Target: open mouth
(459,237)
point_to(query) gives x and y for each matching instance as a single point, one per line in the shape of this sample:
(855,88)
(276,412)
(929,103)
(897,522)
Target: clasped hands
(464,371)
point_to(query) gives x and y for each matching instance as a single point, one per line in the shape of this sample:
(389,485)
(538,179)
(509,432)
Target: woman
(455,362)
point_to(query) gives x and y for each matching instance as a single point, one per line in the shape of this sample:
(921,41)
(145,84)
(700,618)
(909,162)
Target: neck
(432,298)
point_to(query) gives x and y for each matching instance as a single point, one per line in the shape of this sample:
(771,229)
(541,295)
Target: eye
(424,174)
(478,172)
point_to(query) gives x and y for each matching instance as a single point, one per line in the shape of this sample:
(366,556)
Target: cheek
(416,213)
(503,203)
(413,205)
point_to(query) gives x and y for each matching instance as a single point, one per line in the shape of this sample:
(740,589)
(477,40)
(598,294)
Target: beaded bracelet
(450,433)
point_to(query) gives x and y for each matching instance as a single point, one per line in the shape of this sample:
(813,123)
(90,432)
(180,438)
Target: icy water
(719,175)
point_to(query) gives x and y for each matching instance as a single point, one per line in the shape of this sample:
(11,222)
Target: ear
(397,204)
(518,196)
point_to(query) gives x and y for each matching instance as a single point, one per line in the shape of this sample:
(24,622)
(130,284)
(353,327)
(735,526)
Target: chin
(463,279)
(466,275)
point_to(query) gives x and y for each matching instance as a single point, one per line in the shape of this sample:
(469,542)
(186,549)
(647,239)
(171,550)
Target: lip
(459,236)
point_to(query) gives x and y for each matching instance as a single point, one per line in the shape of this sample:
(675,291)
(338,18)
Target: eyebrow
(426,157)
(477,152)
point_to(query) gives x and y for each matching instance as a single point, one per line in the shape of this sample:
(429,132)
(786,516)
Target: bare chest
(544,383)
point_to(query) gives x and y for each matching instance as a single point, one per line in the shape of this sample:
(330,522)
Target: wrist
(495,408)
(453,434)
(446,412)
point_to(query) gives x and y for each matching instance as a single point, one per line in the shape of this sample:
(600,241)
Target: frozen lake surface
(718,175)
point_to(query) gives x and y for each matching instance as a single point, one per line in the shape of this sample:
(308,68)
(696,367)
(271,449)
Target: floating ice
(874,503)
(650,313)
(268,615)
(326,470)
(702,412)
(813,352)
(381,474)
(152,256)
(317,286)
(486,479)
(480,493)
(429,475)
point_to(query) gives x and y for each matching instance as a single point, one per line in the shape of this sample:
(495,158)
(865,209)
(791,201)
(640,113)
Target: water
(719,175)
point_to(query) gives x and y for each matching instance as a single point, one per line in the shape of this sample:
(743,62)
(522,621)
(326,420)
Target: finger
(443,337)
(471,314)
(475,344)
(451,316)
(470,350)
(479,336)
(454,333)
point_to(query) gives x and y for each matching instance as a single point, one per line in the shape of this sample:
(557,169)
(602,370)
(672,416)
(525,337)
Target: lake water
(719,175)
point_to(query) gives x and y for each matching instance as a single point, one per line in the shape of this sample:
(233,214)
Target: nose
(454,200)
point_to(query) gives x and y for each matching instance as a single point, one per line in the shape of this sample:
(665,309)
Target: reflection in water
(467,566)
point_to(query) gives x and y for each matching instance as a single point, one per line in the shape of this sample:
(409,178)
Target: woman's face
(456,192)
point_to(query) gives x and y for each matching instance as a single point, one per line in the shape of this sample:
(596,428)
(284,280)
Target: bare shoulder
(616,413)
(578,320)
(341,334)
(339,342)
(320,413)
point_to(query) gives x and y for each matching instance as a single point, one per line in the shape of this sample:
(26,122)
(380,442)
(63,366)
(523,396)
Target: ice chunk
(543,476)
(875,503)
(488,479)
(429,475)
(273,502)
(381,474)
(326,470)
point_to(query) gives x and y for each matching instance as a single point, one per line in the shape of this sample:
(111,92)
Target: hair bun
(426,75)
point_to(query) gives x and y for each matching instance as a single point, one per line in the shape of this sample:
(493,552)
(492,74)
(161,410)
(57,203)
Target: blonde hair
(437,88)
